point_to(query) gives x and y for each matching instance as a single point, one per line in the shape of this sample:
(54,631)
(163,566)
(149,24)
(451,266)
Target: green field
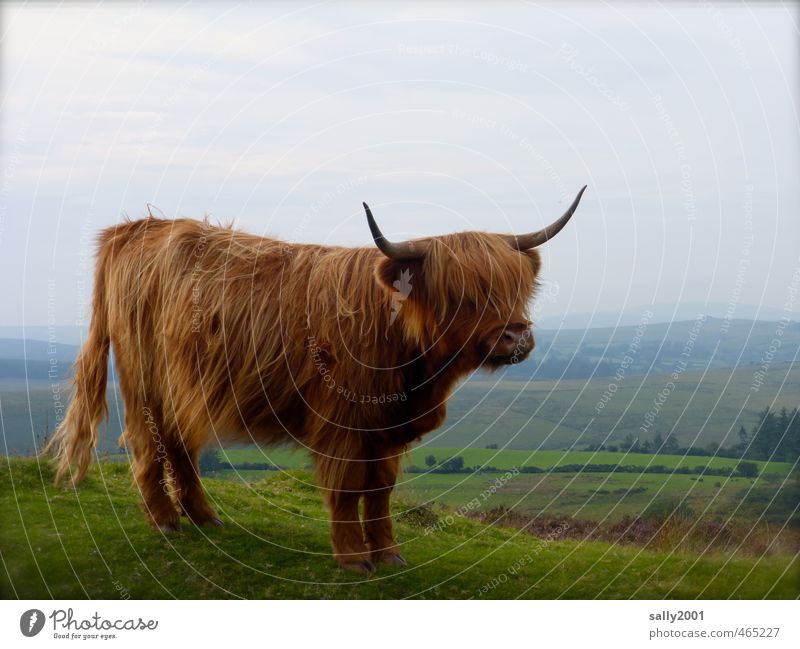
(583,495)
(704,408)
(509,458)
(93,543)
(601,496)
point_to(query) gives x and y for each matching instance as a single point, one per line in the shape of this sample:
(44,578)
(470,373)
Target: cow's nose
(515,340)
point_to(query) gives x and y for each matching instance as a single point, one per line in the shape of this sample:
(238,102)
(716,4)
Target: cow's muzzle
(513,344)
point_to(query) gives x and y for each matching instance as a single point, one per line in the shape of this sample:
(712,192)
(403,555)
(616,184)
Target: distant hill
(63,335)
(546,318)
(699,407)
(662,312)
(12,368)
(651,347)
(35,359)
(569,371)
(36,350)
(32,410)
(656,348)
(704,407)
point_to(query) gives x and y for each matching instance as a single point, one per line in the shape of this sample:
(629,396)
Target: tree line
(775,437)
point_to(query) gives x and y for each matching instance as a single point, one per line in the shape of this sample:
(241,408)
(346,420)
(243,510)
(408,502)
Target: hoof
(393,560)
(168,528)
(202,518)
(211,522)
(366,566)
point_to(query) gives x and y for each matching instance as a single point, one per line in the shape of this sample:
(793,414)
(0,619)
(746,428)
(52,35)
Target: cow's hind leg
(144,435)
(191,497)
(342,482)
(381,477)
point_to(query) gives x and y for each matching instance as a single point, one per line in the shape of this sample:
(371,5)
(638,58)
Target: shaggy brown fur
(219,334)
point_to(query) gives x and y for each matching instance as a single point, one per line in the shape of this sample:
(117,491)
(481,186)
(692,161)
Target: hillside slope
(699,408)
(93,543)
(703,408)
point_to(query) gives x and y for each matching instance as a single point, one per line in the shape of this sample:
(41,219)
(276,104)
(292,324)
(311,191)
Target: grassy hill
(93,543)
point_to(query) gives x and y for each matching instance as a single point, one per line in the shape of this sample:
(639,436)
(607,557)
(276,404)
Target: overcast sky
(682,120)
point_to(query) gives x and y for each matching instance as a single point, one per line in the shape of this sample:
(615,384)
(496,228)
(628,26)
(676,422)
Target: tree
(794,436)
(209,461)
(631,443)
(763,440)
(430,460)
(747,469)
(782,434)
(744,440)
(658,443)
(743,436)
(671,444)
(776,436)
(453,465)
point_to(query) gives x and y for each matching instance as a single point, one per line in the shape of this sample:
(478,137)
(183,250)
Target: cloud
(447,116)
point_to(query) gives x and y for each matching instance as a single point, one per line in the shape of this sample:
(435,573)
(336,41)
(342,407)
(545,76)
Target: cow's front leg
(347,537)
(343,482)
(381,478)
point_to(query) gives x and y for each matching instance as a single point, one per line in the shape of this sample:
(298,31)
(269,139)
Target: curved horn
(534,239)
(401,251)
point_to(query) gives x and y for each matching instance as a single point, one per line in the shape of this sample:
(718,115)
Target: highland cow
(350,353)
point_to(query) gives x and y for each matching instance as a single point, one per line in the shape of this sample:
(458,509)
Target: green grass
(590,496)
(94,543)
(286,458)
(508,458)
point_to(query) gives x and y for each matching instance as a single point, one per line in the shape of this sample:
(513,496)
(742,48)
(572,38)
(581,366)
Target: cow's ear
(536,260)
(396,275)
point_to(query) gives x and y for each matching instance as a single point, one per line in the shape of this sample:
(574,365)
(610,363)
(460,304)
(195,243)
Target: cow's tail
(76,436)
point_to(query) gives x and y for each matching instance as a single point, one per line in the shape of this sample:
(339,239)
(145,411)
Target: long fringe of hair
(220,333)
